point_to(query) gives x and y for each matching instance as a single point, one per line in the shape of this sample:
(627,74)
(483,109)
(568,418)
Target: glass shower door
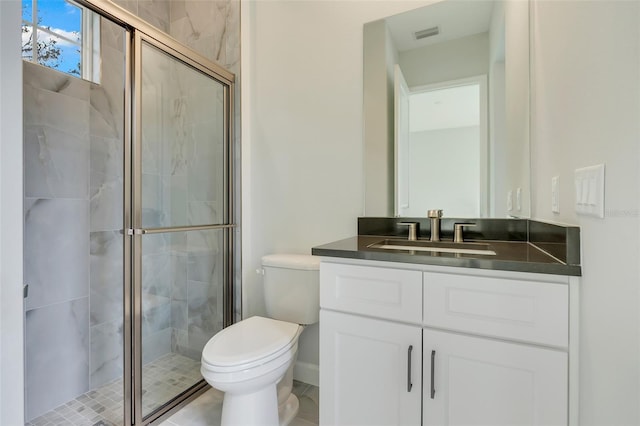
(181,221)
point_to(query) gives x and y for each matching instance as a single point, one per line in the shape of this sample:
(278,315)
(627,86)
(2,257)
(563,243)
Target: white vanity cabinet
(478,381)
(487,347)
(370,346)
(503,358)
(371,371)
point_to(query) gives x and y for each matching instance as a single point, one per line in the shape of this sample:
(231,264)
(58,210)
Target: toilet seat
(249,343)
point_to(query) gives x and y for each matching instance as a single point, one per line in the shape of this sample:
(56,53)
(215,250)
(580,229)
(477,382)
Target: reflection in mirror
(446,110)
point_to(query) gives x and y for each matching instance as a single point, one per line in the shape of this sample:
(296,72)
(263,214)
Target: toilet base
(262,413)
(288,411)
(259,408)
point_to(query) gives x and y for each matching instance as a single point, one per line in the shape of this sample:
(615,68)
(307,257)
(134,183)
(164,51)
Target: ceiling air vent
(426,33)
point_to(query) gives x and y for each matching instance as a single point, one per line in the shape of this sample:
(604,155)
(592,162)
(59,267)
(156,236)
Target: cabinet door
(480,381)
(370,371)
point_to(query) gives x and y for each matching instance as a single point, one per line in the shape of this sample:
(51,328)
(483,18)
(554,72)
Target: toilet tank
(292,287)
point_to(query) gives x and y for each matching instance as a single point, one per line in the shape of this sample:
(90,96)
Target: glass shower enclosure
(181,219)
(128,226)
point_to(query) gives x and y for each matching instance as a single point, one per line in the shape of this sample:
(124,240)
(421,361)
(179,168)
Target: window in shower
(62,35)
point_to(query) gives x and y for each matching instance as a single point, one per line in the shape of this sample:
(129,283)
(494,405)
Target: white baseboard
(307,373)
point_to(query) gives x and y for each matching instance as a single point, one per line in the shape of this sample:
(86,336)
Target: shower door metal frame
(137,231)
(139,31)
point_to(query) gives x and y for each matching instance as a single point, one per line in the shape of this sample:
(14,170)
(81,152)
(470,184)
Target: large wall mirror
(446,110)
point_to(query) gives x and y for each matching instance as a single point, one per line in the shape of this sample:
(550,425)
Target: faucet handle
(458,236)
(413,230)
(432,214)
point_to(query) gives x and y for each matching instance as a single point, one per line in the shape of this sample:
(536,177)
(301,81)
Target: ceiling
(455,18)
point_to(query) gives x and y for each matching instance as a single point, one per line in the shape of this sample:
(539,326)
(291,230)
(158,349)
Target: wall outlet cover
(589,186)
(555,194)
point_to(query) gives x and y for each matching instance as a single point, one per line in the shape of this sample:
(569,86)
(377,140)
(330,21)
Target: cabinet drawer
(378,292)
(528,311)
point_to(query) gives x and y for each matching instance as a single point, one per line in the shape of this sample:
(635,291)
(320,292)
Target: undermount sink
(428,246)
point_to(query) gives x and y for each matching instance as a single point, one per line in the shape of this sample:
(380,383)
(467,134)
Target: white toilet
(252,360)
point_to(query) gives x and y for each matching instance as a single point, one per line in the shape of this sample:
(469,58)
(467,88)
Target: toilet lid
(248,341)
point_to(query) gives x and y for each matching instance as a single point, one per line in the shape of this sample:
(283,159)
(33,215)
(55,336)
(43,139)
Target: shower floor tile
(162,379)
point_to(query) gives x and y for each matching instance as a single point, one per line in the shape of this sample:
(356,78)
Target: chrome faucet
(413,230)
(458,235)
(435,216)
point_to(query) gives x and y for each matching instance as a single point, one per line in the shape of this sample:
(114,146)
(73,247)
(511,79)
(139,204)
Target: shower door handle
(144,231)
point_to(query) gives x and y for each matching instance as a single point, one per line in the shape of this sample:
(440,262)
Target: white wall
(11,311)
(302,134)
(586,111)
(498,185)
(378,106)
(444,168)
(446,61)
(517,102)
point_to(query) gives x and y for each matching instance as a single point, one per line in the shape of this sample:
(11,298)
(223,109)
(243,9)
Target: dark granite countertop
(519,256)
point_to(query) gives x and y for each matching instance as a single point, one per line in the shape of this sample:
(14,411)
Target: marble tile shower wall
(211,28)
(73,215)
(106,211)
(182,273)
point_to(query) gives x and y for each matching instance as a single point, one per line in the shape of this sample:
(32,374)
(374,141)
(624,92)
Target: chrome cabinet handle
(409,384)
(433,369)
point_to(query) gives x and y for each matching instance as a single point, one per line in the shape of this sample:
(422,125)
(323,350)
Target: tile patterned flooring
(167,376)
(206,409)
(163,378)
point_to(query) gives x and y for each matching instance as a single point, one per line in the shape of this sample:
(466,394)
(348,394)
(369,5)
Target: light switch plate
(589,184)
(555,194)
